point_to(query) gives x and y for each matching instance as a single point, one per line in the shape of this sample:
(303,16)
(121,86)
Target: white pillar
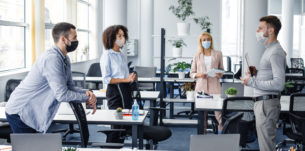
(146,40)
(253,11)
(39,27)
(115,12)
(287,28)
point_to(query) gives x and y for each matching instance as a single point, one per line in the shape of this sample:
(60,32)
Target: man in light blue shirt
(34,103)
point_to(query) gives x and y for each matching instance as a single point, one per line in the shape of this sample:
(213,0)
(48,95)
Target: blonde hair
(200,48)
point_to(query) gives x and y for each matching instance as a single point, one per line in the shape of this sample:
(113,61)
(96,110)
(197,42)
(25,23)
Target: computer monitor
(36,142)
(238,86)
(227,142)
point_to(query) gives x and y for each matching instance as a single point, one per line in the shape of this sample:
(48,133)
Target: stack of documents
(212,72)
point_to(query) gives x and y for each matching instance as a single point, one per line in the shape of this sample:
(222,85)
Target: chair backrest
(297,63)
(227,63)
(80,115)
(79,83)
(146,72)
(237,104)
(231,126)
(94,70)
(297,114)
(10,87)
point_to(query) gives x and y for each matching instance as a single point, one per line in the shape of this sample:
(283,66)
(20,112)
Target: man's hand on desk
(92,100)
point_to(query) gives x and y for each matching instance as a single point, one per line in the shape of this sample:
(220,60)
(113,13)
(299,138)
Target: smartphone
(251,68)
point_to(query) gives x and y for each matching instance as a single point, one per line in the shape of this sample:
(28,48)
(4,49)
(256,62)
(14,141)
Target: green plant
(188,86)
(204,22)
(119,109)
(183,10)
(289,85)
(178,43)
(231,91)
(69,149)
(181,66)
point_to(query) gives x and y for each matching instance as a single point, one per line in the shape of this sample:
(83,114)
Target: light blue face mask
(206,44)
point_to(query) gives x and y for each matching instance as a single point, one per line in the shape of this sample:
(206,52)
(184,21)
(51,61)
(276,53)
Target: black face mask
(72,47)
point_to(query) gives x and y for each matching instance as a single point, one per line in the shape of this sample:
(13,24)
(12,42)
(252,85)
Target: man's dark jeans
(17,125)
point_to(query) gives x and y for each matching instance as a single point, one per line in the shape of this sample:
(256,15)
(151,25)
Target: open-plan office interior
(177,75)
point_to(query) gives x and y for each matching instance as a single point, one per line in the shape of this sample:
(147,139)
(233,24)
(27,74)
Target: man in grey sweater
(268,82)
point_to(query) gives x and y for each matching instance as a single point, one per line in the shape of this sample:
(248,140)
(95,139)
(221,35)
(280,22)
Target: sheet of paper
(212,73)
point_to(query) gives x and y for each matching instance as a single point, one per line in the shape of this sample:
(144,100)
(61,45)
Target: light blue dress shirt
(37,98)
(113,65)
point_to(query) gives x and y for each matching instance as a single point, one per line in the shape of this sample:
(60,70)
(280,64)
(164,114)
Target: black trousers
(115,100)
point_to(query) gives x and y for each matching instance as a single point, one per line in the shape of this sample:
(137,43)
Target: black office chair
(5,129)
(95,71)
(80,116)
(153,134)
(233,120)
(296,130)
(297,63)
(10,87)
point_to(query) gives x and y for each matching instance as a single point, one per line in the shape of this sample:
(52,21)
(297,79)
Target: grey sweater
(270,78)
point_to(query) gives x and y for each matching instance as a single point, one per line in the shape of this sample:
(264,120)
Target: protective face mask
(72,47)
(120,42)
(260,37)
(206,44)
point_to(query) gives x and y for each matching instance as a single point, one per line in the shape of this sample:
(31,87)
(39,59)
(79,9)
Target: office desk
(216,103)
(9,148)
(101,117)
(152,96)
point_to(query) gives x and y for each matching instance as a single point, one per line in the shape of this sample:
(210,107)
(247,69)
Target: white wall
(163,18)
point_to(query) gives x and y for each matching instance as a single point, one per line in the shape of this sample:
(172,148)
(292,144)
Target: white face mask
(260,37)
(120,42)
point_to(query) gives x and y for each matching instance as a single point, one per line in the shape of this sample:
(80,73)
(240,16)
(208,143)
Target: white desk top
(100,117)
(148,95)
(154,79)
(9,148)
(216,103)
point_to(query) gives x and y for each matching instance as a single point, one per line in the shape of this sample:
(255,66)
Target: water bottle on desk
(135,110)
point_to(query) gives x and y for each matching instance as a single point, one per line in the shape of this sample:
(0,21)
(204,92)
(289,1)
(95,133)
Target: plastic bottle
(135,110)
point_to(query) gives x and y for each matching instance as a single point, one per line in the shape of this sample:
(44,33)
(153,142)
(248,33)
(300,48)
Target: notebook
(36,142)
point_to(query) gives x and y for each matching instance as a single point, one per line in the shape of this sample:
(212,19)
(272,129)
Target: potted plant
(119,113)
(69,149)
(289,87)
(188,89)
(182,11)
(181,67)
(204,23)
(177,47)
(231,92)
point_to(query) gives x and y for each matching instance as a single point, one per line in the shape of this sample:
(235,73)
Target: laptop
(227,142)
(238,86)
(36,142)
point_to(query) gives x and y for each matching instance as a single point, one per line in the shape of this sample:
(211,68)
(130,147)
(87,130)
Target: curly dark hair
(109,35)
(274,22)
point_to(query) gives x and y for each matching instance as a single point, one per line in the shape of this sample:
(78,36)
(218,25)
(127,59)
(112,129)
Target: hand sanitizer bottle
(135,110)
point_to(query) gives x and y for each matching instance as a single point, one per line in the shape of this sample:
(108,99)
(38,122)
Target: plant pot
(229,96)
(190,95)
(118,115)
(177,52)
(181,75)
(183,29)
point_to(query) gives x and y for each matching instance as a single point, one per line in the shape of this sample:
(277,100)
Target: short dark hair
(274,22)
(109,35)
(61,29)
